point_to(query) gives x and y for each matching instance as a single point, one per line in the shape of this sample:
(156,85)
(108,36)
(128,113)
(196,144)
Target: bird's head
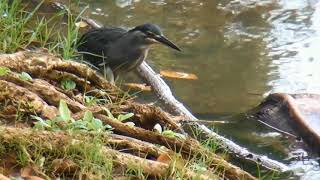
(152,34)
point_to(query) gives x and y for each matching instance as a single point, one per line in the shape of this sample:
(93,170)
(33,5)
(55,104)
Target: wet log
(295,114)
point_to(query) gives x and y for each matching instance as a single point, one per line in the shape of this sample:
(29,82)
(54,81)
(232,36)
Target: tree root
(18,94)
(53,141)
(188,147)
(137,144)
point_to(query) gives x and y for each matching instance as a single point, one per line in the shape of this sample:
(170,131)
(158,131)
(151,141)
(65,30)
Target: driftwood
(41,94)
(296,115)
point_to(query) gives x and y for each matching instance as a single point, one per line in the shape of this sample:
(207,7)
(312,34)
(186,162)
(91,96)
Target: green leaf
(41,124)
(64,111)
(68,84)
(80,124)
(25,76)
(123,117)
(172,134)
(88,116)
(169,133)
(180,136)
(199,167)
(95,124)
(90,100)
(109,113)
(40,162)
(4,71)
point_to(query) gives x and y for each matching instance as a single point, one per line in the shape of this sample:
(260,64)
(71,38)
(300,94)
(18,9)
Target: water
(240,50)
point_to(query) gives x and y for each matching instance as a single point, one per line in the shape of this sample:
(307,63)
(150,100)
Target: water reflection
(293,47)
(123,3)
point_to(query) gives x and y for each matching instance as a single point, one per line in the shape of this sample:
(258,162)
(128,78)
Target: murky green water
(230,67)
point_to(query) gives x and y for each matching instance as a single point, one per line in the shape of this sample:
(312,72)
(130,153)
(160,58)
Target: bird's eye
(148,33)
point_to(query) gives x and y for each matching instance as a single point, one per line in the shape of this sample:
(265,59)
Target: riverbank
(62,119)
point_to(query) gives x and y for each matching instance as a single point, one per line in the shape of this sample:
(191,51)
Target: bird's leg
(108,74)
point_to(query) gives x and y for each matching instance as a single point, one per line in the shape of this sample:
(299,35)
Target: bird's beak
(166,42)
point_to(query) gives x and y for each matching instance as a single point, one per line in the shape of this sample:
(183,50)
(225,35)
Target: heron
(118,50)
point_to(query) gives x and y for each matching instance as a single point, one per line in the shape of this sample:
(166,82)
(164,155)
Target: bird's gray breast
(127,53)
(142,56)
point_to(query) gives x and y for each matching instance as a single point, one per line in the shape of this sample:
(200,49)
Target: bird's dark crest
(148,28)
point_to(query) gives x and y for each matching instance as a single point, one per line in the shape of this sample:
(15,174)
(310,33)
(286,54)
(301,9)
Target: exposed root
(151,115)
(136,145)
(18,94)
(51,142)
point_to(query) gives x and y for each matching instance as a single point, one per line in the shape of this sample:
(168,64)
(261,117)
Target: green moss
(88,157)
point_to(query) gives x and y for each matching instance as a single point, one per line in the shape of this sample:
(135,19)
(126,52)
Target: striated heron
(118,49)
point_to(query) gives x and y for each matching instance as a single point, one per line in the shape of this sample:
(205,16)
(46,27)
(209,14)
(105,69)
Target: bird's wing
(96,40)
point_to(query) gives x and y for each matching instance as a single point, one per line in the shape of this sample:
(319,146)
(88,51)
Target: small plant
(168,133)
(4,71)
(90,123)
(14,22)
(68,42)
(172,134)
(120,117)
(68,84)
(25,76)
(65,122)
(134,172)
(90,100)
